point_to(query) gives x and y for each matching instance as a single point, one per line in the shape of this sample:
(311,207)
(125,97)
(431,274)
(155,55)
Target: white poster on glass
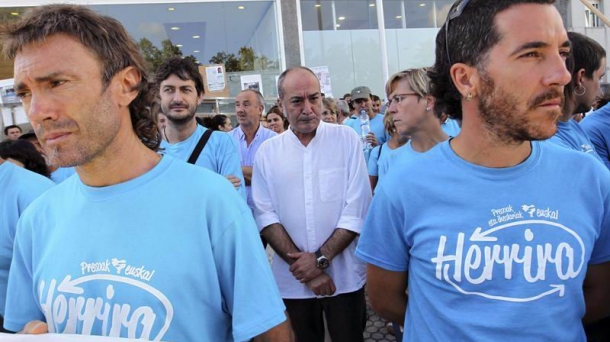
(215,77)
(324,77)
(254,82)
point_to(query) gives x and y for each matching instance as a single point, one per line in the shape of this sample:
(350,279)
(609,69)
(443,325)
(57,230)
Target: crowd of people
(454,206)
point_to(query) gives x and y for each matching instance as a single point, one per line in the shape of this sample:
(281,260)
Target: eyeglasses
(398,98)
(456,12)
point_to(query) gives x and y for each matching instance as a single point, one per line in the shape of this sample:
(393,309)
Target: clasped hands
(305,270)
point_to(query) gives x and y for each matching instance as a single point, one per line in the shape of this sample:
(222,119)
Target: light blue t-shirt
(377,128)
(219,154)
(62,173)
(399,155)
(451,127)
(379,164)
(171,255)
(491,254)
(18,188)
(571,135)
(597,127)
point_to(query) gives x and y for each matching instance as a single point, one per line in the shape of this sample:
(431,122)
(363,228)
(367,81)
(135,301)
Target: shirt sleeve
(382,241)
(599,142)
(264,212)
(601,248)
(248,286)
(21,302)
(229,162)
(358,194)
(372,162)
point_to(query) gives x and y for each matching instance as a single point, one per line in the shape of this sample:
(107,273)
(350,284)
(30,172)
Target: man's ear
(466,79)
(127,80)
(200,98)
(280,105)
(579,76)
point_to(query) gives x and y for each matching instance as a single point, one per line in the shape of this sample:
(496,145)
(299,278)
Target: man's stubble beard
(504,121)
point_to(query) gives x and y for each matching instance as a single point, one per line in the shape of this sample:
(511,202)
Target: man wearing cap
(361,100)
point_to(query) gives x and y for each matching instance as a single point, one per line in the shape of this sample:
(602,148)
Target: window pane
(317,15)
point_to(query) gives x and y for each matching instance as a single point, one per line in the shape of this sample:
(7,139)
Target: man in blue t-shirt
(139,245)
(20,187)
(181,91)
(361,100)
(587,63)
(495,238)
(597,127)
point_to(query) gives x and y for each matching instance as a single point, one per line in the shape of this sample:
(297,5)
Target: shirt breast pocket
(332,183)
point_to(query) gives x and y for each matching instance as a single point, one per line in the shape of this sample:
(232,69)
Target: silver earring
(578,91)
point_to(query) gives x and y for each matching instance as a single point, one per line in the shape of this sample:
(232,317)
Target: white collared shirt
(311,190)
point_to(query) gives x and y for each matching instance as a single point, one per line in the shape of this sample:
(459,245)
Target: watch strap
(319,254)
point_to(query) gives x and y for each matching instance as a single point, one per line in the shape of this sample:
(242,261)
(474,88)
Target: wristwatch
(322,261)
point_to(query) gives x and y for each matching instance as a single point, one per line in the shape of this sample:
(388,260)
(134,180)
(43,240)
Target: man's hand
(323,285)
(234,180)
(35,328)
(305,268)
(372,139)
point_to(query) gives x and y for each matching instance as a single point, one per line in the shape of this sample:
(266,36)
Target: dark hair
(26,153)
(588,53)
(184,68)
(280,81)
(213,122)
(470,38)
(9,127)
(375,98)
(277,111)
(104,36)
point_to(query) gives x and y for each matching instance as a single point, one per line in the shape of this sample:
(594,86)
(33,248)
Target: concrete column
(290,20)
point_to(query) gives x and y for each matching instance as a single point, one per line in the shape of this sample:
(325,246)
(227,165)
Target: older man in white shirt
(311,194)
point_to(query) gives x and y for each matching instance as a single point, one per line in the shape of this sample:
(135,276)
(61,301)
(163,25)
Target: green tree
(247,58)
(229,60)
(155,56)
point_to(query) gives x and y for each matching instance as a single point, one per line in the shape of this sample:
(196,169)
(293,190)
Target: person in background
(250,134)
(361,99)
(24,154)
(58,174)
(412,107)
(329,111)
(587,64)
(385,150)
(181,90)
(276,120)
(19,188)
(218,122)
(12,132)
(376,104)
(343,112)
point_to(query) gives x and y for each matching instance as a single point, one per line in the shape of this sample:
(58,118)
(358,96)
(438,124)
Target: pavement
(375,330)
